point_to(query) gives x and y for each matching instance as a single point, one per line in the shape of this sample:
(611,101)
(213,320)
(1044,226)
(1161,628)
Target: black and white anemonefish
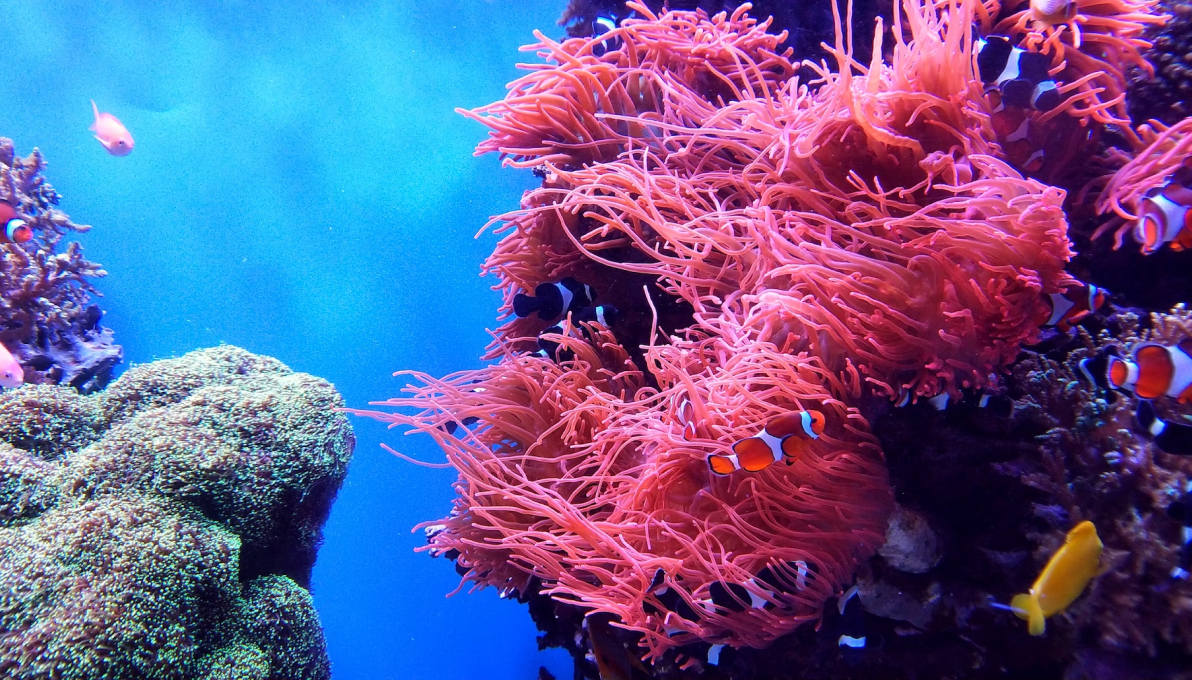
(1050,12)
(1152,371)
(1023,78)
(1073,305)
(552,300)
(781,438)
(15,229)
(1170,436)
(1181,511)
(1165,216)
(1065,577)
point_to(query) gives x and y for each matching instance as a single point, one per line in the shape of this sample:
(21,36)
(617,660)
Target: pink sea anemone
(775,246)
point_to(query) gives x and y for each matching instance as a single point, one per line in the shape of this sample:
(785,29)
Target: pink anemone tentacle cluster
(799,246)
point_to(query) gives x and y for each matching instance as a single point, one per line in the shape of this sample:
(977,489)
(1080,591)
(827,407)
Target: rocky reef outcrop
(167,526)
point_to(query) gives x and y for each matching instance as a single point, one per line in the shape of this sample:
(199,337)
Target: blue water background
(302,188)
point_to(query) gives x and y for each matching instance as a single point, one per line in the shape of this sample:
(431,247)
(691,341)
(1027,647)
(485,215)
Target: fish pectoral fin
(1021,604)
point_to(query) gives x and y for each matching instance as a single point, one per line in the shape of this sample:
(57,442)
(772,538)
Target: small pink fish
(111,133)
(11,373)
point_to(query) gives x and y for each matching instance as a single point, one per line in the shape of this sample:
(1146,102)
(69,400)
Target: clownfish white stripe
(848,641)
(842,601)
(1181,375)
(940,401)
(1042,89)
(1021,133)
(1157,427)
(568,296)
(775,443)
(714,654)
(1060,306)
(1011,71)
(1173,218)
(805,419)
(801,579)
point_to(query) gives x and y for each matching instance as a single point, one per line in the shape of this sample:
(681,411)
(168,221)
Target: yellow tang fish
(1063,579)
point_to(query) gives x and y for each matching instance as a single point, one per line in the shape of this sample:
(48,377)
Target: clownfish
(1181,511)
(997,404)
(1073,305)
(1152,371)
(780,438)
(552,300)
(1050,12)
(852,638)
(1064,578)
(1165,216)
(603,25)
(1021,141)
(1170,436)
(1021,77)
(15,229)
(111,133)
(11,373)
(605,315)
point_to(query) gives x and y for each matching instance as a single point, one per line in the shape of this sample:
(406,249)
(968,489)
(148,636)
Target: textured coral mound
(167,527)
(47,319)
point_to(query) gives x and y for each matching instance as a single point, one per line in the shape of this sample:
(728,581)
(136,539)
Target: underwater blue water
(302,188)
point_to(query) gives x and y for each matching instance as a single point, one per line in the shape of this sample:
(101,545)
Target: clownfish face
(1121,373)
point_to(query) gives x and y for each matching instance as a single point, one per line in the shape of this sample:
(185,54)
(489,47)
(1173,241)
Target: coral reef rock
(47,318)
(167,527)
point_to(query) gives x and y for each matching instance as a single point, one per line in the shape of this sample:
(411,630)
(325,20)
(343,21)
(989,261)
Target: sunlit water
(302,188)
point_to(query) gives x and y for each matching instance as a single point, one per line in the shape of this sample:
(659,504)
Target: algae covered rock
(167,527)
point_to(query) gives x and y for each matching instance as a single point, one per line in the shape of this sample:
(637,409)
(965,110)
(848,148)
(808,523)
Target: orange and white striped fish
(1152,371)
(1166,215)
(781,438)
(1073,305)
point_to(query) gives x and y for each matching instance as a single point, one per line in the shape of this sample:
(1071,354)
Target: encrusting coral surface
(167,526)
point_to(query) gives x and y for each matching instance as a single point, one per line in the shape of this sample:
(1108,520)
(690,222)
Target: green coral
(166,528)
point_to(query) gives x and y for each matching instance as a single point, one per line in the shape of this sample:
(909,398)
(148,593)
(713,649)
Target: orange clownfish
(1152,371)
(1050,12)
(14,229)
(1073,305)
(1166,217)
(111,132)
(1064,578)
(780,438)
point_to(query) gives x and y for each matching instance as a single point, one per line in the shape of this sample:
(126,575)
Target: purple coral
(47,319)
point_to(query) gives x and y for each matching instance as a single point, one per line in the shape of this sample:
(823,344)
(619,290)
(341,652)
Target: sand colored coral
(166,528)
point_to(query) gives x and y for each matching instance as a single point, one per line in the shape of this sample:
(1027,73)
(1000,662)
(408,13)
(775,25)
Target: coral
(47,320)
(166,527)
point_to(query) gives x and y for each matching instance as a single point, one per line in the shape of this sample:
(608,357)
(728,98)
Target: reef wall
(47,319)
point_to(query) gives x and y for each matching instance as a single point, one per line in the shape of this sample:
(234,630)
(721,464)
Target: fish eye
(121,142)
